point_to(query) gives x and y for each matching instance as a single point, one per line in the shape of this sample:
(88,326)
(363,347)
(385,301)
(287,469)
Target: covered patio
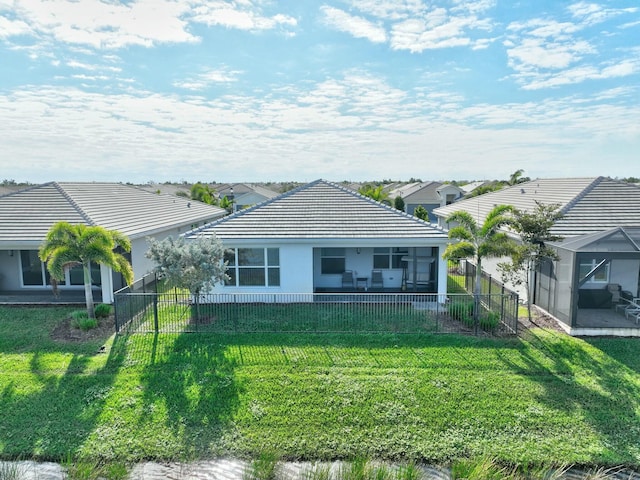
(46,297)
(597,276)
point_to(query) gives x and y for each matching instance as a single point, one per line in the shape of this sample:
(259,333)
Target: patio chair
(376,279)
(347,279)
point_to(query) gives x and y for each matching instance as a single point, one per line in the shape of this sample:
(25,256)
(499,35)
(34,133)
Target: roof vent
(188,204)
(522,190)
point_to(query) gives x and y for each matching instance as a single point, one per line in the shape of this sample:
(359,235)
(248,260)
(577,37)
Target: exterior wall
(296,270)
(490,266)
(410,208)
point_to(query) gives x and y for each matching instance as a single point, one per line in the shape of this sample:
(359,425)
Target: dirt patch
(539,319)
(66,332)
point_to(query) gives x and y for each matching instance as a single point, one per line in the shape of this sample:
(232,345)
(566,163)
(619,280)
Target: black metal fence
(176,311)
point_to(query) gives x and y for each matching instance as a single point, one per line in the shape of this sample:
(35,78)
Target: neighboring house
(244,195)
(27,215)
(467,188)
(304,241)
(430,195)
(599,256)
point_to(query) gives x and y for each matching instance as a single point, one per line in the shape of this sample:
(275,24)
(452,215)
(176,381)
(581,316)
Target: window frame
(335,255)
(393,257)
(269,267)
(45,276)
(591,264)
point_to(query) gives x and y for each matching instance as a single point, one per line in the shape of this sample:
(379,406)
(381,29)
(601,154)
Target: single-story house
(599,266)
(244,195)
(27,215)
(430,195)
(323,237)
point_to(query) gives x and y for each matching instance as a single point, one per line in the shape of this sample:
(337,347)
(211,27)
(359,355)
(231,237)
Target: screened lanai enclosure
(593,288)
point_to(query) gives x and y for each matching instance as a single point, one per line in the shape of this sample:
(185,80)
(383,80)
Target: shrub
(102,310)
(490,320)
(463,311)
(80,319)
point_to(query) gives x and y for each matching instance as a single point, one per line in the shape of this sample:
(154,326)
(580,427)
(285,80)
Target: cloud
(339,127)
(112,25)
(592,13)
(413,25)
(203,80)
(245,15)
(10,28)
(545,53)
(101,24)
(358,27)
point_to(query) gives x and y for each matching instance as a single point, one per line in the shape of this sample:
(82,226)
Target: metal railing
(176,311)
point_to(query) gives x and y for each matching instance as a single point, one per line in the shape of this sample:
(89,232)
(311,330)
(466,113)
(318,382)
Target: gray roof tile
(28,214)
(589,204)
(320,210)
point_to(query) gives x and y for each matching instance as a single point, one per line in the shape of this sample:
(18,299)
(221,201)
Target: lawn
(544,398)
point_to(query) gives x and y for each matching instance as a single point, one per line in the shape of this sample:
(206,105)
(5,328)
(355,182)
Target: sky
(254,90)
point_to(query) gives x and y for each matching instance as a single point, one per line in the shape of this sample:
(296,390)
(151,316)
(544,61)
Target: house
(599,266)
(430,195)
(323,237)
(27,215)
(244,195)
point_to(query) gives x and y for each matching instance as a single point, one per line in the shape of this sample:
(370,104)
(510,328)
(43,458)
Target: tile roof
(588,204)
(27,215)
(320,210)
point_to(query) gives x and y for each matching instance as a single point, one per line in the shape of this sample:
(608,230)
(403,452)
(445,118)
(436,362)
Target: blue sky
(252,90)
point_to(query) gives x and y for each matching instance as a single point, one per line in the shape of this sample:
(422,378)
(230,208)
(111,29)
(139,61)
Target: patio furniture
(347,279)
(377,280)
(362,282)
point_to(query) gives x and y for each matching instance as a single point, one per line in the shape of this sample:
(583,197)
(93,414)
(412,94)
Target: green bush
(80,319)
(490,320)
(463,311)
(102,310)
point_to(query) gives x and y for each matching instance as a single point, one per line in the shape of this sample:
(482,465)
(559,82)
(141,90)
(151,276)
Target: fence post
(155,313)
(115,313)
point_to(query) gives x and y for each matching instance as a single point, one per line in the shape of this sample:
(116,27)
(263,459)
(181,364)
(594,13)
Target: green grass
(546,399)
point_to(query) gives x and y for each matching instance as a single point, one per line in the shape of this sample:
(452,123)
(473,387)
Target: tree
(67,246)
(375,193)
(478,242)
(535,230)
(227,204)
(421,213)
(203,193)
(196,265)
(398,203)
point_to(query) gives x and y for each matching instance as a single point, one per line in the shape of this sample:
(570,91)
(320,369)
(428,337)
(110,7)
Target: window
(387,257)
(332,260)
(257,267)
(35,274)
(601,276)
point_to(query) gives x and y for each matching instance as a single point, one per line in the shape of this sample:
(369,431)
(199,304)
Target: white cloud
(356,126)
(358,27)
(545,53)
(592,13)
(10,28)
(208,78)
(414,25)
(245,15)
(111,25)
(107,25)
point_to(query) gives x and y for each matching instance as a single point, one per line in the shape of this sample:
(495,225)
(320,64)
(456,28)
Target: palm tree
(375,193)
(479,242)
(67,246)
